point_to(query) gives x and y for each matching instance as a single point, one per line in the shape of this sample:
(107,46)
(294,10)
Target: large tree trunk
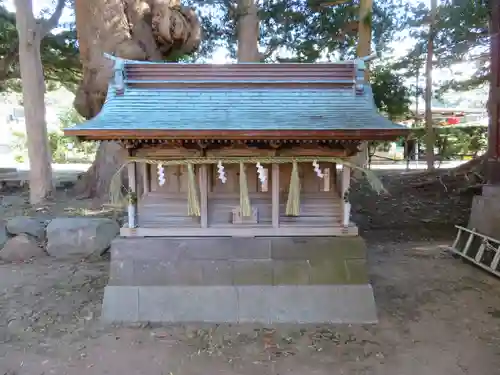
(30,37)
(429,129)
(248,31)
(493,170)
(131,29)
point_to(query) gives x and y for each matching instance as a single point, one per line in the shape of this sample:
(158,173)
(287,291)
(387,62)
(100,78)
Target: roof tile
(302,105)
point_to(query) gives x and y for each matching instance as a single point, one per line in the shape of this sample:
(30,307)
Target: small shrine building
(234,165)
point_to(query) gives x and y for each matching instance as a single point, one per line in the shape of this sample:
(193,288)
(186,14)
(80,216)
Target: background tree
(457,32)
(31,33)
(59,54)
(429,124)
(132,29)
(287,30)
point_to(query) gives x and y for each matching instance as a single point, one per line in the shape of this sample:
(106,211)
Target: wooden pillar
(346,205)
(203,181)
(275,195)
(146,177)
(132,206)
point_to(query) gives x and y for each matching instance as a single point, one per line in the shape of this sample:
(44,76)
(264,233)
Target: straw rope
(193,203)
(116,188)
(293,201)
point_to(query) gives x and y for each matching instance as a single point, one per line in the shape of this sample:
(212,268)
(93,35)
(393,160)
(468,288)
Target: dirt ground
(438,315)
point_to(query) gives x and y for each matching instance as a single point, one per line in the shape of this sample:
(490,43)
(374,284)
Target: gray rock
(3,233)
(21,248)
(13,200)
(72,237)
(29,225)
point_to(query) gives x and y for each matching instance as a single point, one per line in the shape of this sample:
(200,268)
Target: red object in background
(453,120)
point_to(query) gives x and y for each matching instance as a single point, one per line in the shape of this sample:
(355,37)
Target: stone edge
(302,304)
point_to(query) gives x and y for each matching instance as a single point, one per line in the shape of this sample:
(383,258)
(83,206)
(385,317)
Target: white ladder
(484,251)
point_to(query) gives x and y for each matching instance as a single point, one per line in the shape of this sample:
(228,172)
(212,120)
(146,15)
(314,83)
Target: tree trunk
(30,36)
(363,50)
(429,136)
(248,31)
(493,170)
(132,29)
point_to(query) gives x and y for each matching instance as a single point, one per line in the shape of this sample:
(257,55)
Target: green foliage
(307,31)
(451,141)
(59,56)
(390,94)
(461,36)
(301,31)
(64,149)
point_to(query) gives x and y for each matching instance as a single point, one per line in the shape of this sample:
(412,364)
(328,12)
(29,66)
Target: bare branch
(271,48)
(46,25)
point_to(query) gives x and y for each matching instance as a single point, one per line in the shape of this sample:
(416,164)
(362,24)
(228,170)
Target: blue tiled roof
(238,108)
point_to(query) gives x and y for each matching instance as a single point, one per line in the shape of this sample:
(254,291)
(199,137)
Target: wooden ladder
(484,251)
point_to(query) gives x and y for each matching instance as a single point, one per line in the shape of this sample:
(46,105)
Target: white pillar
(146,178)
(132,206)
(275,195)
(346,205)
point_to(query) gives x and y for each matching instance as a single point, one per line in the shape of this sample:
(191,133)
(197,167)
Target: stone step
(318,304)
(227,248)
(238,272)
(236,280)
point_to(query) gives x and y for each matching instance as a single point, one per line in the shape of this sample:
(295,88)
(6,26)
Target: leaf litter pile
(419,204)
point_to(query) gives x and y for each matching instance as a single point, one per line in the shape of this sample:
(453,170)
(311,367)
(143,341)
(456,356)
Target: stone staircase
(239,280)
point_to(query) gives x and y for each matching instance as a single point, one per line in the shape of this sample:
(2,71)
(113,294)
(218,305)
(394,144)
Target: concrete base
(240,304)
(238,280)
(485,212)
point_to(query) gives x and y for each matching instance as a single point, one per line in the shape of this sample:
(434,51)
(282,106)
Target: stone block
(254,304)
(185,272)
(318,247)
(328,271)
(289,248)
(231,280)
(291,272)
(188,304)
(153,273)
(313,304)
(227,248)
(120,304)
(485,216)
(143,248)
(252,272)
(121,272)
(217,272)
(357,271)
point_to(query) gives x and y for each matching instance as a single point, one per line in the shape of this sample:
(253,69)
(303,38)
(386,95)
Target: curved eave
(164,134)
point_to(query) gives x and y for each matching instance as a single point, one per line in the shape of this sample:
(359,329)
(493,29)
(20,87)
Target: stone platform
(239,280)
(485,212)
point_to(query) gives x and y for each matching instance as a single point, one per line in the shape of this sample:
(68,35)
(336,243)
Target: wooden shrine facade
(163,188)
(239,149)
